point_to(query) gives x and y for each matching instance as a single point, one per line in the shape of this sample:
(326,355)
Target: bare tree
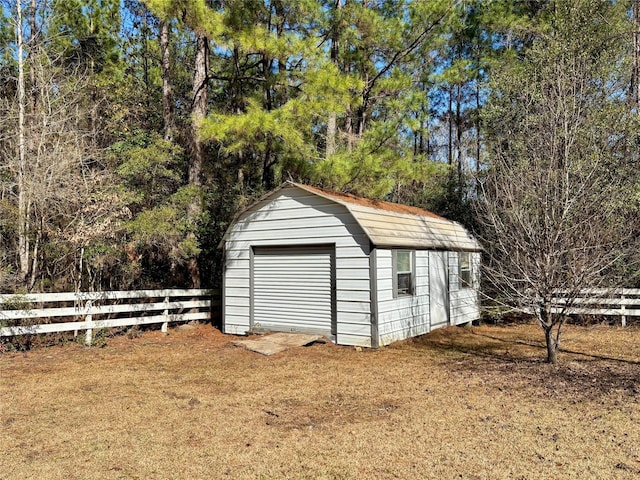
(23,203)
(551,231)
(556,200)
(53,171)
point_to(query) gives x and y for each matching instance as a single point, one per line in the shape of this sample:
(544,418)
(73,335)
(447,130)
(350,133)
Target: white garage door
(293,289)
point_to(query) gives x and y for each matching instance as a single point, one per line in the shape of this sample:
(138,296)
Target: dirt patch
(475,403)
(273,343)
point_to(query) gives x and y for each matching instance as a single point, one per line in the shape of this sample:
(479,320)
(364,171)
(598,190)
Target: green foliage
(86,33)
(150,166)
(377,174)
(7,62)
(18,342)
(257,129)
(99,338)
(165,228)
(198,14)
(16,302)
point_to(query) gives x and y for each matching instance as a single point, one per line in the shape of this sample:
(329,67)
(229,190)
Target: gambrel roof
(389,224)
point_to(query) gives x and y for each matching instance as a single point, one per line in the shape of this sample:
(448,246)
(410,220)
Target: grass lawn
(469,403)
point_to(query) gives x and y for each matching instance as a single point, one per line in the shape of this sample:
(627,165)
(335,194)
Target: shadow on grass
(467,341)
(562,350)
(509,363)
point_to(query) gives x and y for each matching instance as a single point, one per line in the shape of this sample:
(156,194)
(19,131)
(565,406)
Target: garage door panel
(291,321)
(284,303)
(289,309)
(293,288)
(296,271)
(310,285)
(313,259)
(287,289)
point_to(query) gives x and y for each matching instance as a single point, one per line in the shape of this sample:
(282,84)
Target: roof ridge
(372,203)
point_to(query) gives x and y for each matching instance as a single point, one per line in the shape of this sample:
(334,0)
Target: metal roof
(394,225)
(391,224)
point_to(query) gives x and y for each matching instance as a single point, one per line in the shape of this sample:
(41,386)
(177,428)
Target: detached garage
(362,272)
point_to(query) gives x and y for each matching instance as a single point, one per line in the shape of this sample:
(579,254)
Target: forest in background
(132,132)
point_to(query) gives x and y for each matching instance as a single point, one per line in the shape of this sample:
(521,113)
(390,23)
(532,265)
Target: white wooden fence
(621,302)
(93,310)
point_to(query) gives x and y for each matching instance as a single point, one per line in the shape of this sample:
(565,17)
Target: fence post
(165,314)
(88,339)
(76,303)
(623,308)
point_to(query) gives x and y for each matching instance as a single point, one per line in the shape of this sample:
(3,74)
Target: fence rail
(92,310)
(621,302)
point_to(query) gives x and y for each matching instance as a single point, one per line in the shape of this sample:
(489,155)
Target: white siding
(402,317)
(465,305)
(295,217)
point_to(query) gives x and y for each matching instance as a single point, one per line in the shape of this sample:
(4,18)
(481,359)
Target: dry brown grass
(459,403)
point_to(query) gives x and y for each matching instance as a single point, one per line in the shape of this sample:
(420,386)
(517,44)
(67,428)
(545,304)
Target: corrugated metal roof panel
(394,225)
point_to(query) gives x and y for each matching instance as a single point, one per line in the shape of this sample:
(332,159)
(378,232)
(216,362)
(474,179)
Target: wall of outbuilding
(464,300)
(295,217)
(407,316)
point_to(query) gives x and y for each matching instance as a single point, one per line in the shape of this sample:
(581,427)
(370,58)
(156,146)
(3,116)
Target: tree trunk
(268,175)
(348,128)
(332,129)
(32,59)
(23,204)
(332,126)
(478,137)
(198,112)
(546,322)
(552,346)
(145,65)
(450,136)
(167,94)
(34,263)
(198,108)
(635,77)
(459,140)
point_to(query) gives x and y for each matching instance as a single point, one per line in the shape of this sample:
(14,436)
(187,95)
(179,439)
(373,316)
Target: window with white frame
(464,270)
(403,277)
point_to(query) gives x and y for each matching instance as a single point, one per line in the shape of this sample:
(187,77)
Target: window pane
(464,260)
(404,284)
(464,269)
(403,262)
